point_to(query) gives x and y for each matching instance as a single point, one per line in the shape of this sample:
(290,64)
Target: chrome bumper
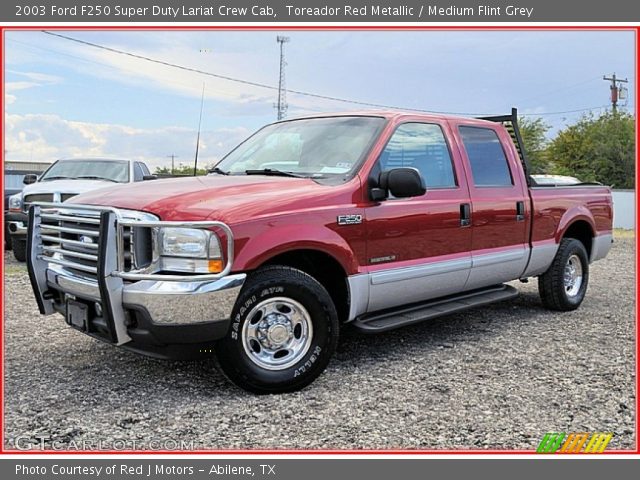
(17,228)
(167,303)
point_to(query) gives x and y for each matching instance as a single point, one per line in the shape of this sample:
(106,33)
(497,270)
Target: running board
(389,320)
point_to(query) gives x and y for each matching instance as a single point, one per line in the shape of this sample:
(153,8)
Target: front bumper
(163,316)
(16,223)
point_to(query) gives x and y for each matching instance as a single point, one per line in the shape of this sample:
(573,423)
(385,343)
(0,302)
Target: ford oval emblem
(86,239)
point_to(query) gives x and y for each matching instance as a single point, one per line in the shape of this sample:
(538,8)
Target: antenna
(195,164)
(282,106)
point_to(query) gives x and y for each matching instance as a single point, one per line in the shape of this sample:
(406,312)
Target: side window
(489,165)
(423,146)
(145,169)
(138,175)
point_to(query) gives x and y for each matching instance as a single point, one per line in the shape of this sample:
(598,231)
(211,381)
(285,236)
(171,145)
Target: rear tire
(564,285)
(19,248)
(284,330)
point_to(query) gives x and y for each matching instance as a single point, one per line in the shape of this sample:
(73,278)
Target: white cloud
(34,80)
(37,76)
(41,137)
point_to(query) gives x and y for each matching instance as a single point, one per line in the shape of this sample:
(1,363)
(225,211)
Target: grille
(71,238)
(44,197)
(36,197)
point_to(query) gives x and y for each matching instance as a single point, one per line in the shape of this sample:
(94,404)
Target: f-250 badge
(349,219)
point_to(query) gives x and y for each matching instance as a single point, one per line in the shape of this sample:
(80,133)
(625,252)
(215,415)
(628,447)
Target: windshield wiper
(55,177)
(274,172)
(218,170)
(94,177)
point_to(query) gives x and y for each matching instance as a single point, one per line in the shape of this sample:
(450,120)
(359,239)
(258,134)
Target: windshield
(316,147)
(111,170)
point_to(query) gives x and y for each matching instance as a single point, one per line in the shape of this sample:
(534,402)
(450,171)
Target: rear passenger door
(500,206)
(417,248)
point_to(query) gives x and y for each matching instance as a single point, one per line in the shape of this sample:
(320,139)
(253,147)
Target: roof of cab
(392,115)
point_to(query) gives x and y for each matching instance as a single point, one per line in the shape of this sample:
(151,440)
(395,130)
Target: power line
(242,81)
(297,92)
(542,114)
(558,90)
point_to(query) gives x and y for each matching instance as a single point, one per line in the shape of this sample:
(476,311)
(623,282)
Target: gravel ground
(497,377)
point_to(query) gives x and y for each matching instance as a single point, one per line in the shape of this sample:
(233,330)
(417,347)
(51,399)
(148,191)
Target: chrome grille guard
(97,215)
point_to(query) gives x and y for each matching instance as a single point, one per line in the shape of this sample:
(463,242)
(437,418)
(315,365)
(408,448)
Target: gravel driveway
(497,377)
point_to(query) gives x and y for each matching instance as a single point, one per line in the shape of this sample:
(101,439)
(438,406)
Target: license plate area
(77,315)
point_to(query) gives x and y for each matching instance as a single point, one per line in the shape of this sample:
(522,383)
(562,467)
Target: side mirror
(30,178)
(150,177)
(402,182)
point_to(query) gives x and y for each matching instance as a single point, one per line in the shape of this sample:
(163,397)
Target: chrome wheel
(277,333)
(573,276)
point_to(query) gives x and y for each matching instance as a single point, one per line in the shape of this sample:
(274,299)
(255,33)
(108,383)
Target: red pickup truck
(377,220)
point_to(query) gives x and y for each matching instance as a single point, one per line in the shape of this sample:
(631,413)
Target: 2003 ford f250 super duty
(375,219)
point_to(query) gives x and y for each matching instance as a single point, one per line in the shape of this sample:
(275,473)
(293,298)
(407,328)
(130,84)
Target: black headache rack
(510,122)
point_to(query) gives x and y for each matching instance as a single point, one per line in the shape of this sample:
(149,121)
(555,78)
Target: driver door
(418,248)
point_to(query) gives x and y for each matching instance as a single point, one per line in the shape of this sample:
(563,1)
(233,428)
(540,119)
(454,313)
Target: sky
(66,99)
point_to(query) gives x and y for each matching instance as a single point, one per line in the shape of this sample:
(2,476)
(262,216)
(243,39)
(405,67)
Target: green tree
(534,137)
(600,149)
(181,170)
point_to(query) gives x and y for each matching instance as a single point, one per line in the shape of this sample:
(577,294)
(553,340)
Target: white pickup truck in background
(64,179)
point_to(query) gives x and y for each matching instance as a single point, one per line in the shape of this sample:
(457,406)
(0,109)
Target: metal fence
(624,209)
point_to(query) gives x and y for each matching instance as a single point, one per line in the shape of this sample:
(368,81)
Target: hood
(66,186)
(227,198)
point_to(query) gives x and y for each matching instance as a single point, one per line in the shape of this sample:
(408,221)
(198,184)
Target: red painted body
(272,215)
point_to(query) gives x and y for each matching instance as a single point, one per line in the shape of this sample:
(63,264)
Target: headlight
(15,202)
(189,250)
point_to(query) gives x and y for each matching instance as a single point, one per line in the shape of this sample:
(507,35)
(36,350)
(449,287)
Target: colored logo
(574,442)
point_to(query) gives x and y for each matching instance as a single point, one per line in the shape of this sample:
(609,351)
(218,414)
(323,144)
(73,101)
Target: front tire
(284,330)
(19,248)
(7,238)
(564,285)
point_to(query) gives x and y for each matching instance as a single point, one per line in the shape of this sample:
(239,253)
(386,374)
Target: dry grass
(623,233)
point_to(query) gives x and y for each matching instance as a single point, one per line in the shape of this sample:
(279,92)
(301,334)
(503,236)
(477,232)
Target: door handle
(519,211)
(465,215)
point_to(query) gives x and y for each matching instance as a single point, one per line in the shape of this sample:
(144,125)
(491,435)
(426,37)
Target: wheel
(564,284)
(283,333)
(19,247)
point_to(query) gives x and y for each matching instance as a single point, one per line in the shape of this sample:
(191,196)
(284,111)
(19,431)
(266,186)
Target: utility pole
(615,90)
(173,158)
(282,89)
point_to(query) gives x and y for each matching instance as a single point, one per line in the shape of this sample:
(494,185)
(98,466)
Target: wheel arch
(581,229)
(323,267)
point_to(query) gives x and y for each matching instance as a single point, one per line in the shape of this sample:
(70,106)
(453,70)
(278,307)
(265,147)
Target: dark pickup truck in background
(374,219)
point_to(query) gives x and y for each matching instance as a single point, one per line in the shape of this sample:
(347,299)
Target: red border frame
(3,29)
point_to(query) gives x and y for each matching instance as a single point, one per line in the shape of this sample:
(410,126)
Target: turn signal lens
(215,266)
